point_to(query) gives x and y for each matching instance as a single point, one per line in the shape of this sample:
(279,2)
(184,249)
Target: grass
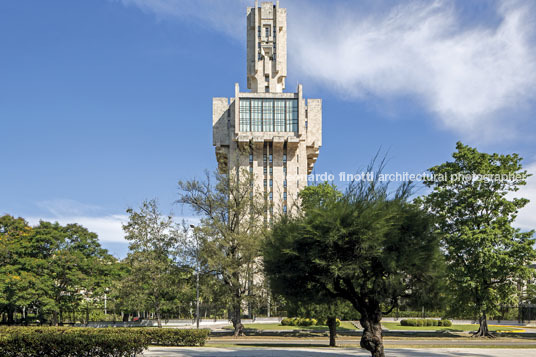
(345,325)
(397,326)
(348,326)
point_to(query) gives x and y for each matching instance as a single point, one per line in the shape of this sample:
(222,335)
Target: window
(271,195)
(250,157)
(259,31)
(298,170)
(285,170)
(264,182)
(268,114)
(285,209)
(251,169)
(264,158)
(271,170)
(285,158)
(264,170)
(279,115)
(271,183)
(244,115)
(267,31)
(291,115)
(284,183)
(271,157)
(256,115)
(284,196)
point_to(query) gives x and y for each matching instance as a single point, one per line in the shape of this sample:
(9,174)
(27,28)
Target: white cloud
(477,80)
(225,16)
(469,77)
(108,228)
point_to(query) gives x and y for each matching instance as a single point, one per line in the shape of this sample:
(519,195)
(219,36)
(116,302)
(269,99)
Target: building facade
(273,134)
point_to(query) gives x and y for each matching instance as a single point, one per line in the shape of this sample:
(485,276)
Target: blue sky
(106,103)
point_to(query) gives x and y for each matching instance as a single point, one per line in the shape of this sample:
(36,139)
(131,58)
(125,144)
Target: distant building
(275,135)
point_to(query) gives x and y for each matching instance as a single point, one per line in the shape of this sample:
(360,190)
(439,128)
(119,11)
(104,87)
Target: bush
(300,321)
(286,322)
(446,323)
(173,337)
(95,342)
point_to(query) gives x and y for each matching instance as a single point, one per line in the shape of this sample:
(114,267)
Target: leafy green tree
(299,298)
(486,256)
(16,280)
(233,221)
(49,268)
(367,246)
(77,268)
(155,278)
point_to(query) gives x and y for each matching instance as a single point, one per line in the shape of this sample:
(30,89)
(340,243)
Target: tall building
(273,134)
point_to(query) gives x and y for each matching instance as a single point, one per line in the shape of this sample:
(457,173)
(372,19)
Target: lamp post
(197,277)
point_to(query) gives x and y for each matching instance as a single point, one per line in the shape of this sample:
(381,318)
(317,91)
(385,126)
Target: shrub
(314,322)
(95,342)
(286,322)
(446,323)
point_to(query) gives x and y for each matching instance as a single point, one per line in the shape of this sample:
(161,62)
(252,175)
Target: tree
(155,279)
(486,256)
(72,266)
(311,197)
(16,280)
(49,268)
(233,220)
(368,247)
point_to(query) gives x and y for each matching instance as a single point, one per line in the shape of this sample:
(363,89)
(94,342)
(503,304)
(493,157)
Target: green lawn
(397,326)
(345,325)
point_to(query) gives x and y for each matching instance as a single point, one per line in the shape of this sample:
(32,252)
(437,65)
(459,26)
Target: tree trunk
(332,324)
(54,318)
(372,339)
(158,318)
(10,316)
(483,330)
(237,320)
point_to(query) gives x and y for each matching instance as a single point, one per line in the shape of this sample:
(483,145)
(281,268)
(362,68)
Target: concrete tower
(275,135)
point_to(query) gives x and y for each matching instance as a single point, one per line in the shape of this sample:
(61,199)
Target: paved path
(327,352)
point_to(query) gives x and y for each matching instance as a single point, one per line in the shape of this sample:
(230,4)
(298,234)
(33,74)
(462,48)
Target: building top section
(266,48)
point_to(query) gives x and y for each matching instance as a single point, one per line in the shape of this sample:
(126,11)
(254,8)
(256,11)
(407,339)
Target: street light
(197,277)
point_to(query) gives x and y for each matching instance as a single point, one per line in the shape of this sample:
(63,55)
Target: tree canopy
(474,206)
(367,246)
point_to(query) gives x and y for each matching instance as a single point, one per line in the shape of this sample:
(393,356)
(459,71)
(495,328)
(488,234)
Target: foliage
(154,280)
(105,342)
(50,268)
(230,232)
(69,342)
(486,256)
(367,246)
(425,322)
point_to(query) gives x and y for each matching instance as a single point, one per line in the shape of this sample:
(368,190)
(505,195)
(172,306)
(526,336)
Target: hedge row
(300,321)
(425,322)
(94,342)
